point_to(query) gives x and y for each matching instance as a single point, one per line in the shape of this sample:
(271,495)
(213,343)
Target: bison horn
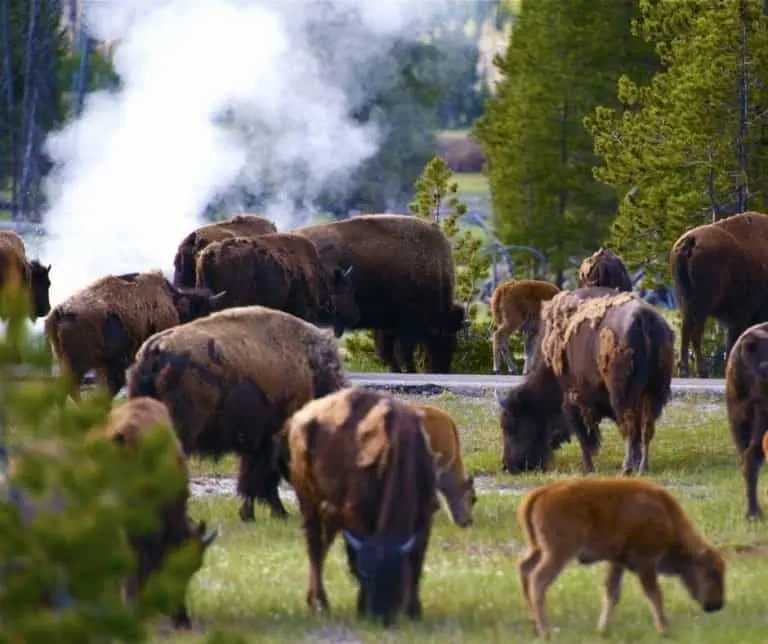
(498,398)
(347,271)
(208,539)
(216,299)
(408,545)
(352,540)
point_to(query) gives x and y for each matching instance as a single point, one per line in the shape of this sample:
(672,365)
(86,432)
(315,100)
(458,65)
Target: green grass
(475,183)
(254,580)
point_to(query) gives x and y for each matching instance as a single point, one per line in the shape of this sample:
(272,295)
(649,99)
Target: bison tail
(639,341)
(525,516)
(680,268)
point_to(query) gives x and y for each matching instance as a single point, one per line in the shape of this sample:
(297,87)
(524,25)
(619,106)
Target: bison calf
(361,464)
(632,524)
(746,396)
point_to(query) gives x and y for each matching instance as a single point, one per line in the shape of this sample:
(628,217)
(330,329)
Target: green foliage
(437,200)
(686,148)
(563,59)
(85,497)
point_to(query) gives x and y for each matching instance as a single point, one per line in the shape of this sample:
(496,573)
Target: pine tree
(563,59)
(690,146)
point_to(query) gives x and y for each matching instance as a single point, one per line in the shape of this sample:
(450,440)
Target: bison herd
(239,354)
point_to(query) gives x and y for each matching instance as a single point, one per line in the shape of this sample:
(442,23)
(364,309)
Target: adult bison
(281,271)
(600,354)
(720,270)
(403,278)
(238,226)
(230,380)
(18,271)
(604,268)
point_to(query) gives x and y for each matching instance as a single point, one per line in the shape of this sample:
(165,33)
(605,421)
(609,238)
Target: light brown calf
(630,523)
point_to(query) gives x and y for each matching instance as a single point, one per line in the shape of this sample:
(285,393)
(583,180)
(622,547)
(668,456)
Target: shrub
(71,499)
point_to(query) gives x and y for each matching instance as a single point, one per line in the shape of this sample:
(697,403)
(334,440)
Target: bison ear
(48,268)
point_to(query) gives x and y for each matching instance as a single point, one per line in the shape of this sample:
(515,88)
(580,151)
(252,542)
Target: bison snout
(713,607)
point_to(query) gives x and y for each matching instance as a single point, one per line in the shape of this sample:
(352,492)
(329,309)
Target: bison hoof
(246,513)
(754,515)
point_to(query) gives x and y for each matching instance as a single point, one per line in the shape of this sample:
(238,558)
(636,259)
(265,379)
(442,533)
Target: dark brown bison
(600,354)
(604,268)
(238,226)
(281,271)
(403,278)
(746,395)
(102,326)
(16,271)
(516,306)
(633,525)
(361,464)
(127,425)
(230,381)
(720,270)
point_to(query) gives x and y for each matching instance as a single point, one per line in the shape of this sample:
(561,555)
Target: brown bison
(16,271)
(601,354)
(102,326)
(720,271)
(361,464)
(516,306)
(746,395)
(403,278)
(604,268)
(633,525)
(238,226)
(230,380)
(281,271)
(127,425)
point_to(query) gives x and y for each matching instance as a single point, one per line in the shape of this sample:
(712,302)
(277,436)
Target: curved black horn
(208,539)
(408,545)
(353,540)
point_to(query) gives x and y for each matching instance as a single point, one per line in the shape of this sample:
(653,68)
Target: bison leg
(257,480)
(691,332)
(529,345)
(413,609)
(317,548)
(752,462)
(612,594)
(500,345)
(632,432)
(650,583)
(524,569)
(574,417)
(649,429)
(384,343)
(405,350)
(546,571)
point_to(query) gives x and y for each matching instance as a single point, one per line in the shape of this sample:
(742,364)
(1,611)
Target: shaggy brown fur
(16,271)
(601,354)
(457,489)
(604,268)
(102,326)
(360,463)
(281,271)
(630,523)
(516,306)
(238,226)
(746,396)
(720,270)
(230,380)
(403,278)
(127,425)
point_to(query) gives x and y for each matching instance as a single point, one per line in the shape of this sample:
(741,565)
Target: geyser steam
(214,94)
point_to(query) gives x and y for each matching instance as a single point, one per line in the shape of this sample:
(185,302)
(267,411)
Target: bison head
(703,575)
(40,286)
(193,303)
(379,563)
(533,426)
(458,494)
(346,312)
(754,355)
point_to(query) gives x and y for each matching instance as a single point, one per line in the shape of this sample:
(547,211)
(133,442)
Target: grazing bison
(516,306)
(746,395)
(456,488)
(604,268)
(402,276)
(360,463)
(102,326)
(720,270)
(127,425)
(601,354)
(230,381)
(16,271)
(633,525)
(238,226)
(281,271)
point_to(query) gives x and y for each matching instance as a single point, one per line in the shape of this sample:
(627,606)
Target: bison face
(703,576)
(458,494)
(40,287)
(184,263)
(346,311)
(525,425)
(193,303)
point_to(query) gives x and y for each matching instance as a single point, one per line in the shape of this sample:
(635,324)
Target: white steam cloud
(214,94)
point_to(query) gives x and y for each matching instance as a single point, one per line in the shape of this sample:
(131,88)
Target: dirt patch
(755,550)
(334,634)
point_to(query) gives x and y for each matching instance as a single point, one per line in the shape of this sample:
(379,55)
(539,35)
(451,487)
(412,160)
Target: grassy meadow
(254,580)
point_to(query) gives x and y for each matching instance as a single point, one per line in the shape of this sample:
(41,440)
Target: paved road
(481,383)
